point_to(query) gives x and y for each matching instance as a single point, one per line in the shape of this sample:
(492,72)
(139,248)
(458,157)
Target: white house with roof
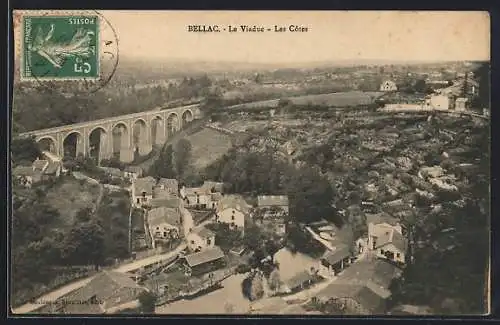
(164,223)
(142,191)
(388,85)
(200,238)
(232,209)
(385,237)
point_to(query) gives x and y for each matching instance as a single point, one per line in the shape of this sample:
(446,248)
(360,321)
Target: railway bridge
(119,136)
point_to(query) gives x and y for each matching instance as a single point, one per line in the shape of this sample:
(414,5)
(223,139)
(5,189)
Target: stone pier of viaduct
(121,136)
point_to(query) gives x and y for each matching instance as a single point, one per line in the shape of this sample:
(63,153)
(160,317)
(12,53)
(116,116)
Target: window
(398,255)
(209,241)
(382,252)
(192,242)
(164,234)
(232,217)
(157,228)
(138,200)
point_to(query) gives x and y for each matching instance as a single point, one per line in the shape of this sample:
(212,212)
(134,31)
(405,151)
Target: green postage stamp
(60,47)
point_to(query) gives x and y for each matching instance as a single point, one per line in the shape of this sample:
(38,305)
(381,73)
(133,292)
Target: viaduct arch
(120,136)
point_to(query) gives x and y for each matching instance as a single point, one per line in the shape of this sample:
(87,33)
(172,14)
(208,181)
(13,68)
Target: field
(340,99)
(70,196)
(208,146)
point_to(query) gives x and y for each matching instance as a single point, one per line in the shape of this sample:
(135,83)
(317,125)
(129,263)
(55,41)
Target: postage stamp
(60,47)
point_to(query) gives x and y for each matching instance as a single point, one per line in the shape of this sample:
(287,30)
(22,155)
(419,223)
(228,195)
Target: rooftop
(204,232)
(112,171)
(169,183)
(158,216)
(103,286)
(133,169)
(40,164)
(213,186)
(144,184)
(235,202)
(205,256)
(360,293)
(338,255)
(272,200)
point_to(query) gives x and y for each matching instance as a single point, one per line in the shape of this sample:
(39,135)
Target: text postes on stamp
(61,47)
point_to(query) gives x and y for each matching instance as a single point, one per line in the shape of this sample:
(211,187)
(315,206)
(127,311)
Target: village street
(227,300)
(54,295)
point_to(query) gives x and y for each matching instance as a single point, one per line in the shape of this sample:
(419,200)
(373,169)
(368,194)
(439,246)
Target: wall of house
(194,241)
(159,230)
(122,296)
(231,216)
(394,250)
(144,200)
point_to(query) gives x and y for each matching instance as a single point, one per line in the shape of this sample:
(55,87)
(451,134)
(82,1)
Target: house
(388,241)
(232,209)
(142,190)
(164,224)
(461,104)
(352,299)
(107,292)
(200,238)
(362,288)
(112,172)
(168,185)
(206,196)
(168,202)
(198,197)
(333,262)
(213,187)
(40,170)
(388,85)
(132,172)
(298,282)
(205,261)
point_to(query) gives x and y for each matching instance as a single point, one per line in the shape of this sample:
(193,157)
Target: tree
(85,244)
(182,156)
(147,301)
(24,150)
(164,166)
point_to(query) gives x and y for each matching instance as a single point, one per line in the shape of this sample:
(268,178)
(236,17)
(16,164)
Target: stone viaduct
(119,136)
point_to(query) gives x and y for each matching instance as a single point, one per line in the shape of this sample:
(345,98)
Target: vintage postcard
(250,163)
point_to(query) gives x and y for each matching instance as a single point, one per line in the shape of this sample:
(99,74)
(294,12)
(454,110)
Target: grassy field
(208,146)
(70,196)
(350,98)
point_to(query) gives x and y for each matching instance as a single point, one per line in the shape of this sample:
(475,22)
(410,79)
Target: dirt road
(54,295)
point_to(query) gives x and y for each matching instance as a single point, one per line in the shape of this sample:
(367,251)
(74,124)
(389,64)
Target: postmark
(67,51)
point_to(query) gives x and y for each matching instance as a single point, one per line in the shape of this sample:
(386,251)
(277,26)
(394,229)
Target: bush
(243,268)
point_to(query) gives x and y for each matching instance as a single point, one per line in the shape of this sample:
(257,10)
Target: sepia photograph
(250,163)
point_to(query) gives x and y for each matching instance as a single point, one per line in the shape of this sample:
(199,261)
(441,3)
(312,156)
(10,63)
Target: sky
(339,35)
(332,35)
